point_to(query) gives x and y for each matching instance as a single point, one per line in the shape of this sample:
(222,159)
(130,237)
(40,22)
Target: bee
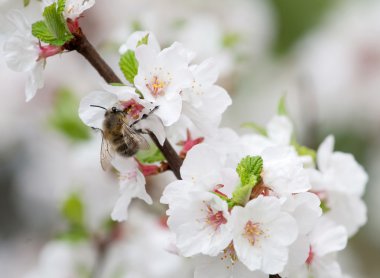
(119,136)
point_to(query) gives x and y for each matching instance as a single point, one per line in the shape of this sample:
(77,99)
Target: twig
(81,44)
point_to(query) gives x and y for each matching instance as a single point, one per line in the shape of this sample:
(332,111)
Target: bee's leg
(97,129)
(144,116)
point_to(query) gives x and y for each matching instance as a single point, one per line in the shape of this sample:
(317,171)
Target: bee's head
(115,110)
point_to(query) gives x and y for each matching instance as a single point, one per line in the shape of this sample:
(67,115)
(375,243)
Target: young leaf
(53,30)
(144,40)
(73,210)
(41,31)
(129,65)
(255,127)
(281,110)
(305,151)
(26,3)
(65,119)
(241,195)
(61,6)
(150,156)
(249,170)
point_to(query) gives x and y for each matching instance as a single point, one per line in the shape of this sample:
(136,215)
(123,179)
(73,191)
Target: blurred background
(324,55)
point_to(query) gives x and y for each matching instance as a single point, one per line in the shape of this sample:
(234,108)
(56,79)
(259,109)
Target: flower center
(215,219)
(252,232)
(133,108)
(310,259)
(156,87)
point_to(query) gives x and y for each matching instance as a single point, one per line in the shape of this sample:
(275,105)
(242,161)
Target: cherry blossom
(73,8)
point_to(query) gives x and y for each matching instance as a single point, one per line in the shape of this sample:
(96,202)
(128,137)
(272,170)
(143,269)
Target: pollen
(156,87)
(252,232)
(215,219)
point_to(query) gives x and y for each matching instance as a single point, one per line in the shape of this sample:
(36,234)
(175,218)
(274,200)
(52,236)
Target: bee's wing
(131,137)
(107,153)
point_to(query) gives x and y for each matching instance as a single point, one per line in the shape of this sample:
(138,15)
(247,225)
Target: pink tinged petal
(135,37)
(198,226)
(202,165)
(280,130)
(169,111)
(154,124)
(325,152)
(94,116)
(298,254)
(327,237)
(35,81)
(206,73)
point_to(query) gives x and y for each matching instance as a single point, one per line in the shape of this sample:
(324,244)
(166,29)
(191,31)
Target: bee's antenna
(98,106)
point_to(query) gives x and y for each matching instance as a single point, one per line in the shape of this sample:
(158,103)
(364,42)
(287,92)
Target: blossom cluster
(245,206)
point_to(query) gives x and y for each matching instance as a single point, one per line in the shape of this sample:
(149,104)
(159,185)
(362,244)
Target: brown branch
(81,44)
(274,276)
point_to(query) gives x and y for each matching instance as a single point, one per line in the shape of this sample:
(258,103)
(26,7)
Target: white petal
(324,153)
(35,81)
(202,165)
(169,111)
(328,237)
(154,124)
(280,130)
(94,116)
(207,72)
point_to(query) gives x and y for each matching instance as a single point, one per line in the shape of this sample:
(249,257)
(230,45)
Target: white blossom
(262,234)
(22,54)
(132,185)
(73,8)
(161,78)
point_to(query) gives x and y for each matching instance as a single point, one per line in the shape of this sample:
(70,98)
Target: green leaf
(150,156)
(53,30)
(73,210)
(230,40)
(325,208)
(305,151)
(129,65)
(144,40)
(241,195)
(249,170)
(41,31)
(281,109)
(61,6)
(26,3)
(65,119)
(256,128)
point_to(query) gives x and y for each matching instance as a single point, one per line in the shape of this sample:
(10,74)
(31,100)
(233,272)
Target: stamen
(252,232)
(215,219)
